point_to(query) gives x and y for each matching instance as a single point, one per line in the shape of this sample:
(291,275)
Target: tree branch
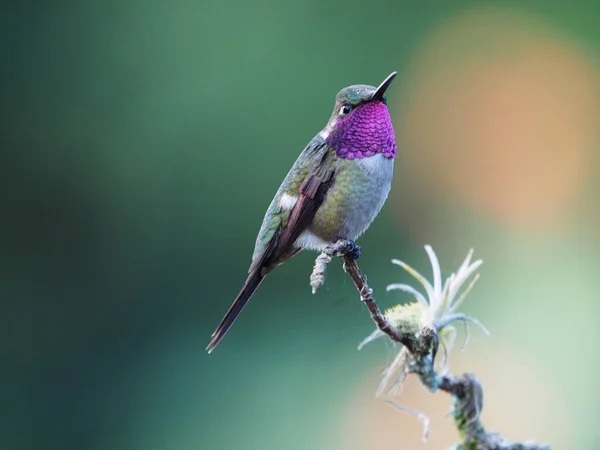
(366,296)
(466,391)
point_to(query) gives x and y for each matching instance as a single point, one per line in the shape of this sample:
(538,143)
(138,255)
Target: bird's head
(360,125)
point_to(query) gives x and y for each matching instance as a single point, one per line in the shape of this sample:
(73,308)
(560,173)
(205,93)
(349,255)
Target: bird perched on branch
(333,192)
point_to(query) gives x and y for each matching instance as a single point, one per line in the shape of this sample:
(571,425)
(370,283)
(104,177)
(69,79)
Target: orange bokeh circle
(501,113)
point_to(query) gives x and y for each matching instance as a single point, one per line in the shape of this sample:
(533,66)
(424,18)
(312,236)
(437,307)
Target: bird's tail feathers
(251,284)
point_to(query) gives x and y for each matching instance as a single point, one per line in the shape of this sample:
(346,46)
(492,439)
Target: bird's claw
(352,249)
(343,247)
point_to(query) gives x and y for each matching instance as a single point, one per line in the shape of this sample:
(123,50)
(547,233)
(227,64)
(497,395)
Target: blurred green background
(141,145)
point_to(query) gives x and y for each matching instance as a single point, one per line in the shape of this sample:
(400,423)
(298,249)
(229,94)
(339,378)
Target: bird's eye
(345,109)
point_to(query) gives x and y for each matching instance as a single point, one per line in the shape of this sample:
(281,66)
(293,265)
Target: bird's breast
(356,197)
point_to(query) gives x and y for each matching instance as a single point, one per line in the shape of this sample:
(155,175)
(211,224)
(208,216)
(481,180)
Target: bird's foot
(352,249)
(343,247)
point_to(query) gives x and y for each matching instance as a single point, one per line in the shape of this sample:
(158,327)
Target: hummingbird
(333,192)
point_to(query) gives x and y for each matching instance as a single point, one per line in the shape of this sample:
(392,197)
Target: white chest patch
(372,164)
(309,241)
(287,201)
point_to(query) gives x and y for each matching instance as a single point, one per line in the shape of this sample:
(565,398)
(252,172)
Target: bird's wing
(308,181)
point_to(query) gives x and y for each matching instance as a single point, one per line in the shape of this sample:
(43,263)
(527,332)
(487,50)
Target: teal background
(141,144)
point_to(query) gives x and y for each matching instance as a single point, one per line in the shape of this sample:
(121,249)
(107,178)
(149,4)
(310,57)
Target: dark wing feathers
(276,239)
(312,193)
(309,180)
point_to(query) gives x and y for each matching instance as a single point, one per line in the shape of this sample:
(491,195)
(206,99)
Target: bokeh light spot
(500,112)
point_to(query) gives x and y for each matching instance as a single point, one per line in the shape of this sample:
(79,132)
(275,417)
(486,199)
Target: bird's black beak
(378,95)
